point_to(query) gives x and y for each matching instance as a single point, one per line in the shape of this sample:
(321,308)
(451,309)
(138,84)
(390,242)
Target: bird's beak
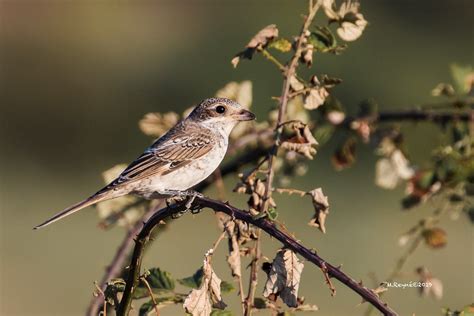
(244,115)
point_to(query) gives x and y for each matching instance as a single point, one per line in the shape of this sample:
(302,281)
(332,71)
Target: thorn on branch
(331,286)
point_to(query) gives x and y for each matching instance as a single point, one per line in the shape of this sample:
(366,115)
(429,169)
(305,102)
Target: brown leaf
(345,154)
(284,277)
(200,301)
(315,98)
(435,237)
(156,124)
(260,40)
(308,55)
(302,142)
(295,84)
(263,37)
(321,208)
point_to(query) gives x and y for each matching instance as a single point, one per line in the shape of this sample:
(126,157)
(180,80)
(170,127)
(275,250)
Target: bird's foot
(189,195)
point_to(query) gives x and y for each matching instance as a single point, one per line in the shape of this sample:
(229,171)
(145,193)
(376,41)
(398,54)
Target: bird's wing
(177,148)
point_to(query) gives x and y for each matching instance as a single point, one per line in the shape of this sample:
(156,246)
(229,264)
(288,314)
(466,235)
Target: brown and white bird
(186,155)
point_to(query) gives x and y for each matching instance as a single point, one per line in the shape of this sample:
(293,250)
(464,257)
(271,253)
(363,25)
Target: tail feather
(74,208)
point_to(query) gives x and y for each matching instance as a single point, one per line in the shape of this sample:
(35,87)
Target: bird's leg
(190,194)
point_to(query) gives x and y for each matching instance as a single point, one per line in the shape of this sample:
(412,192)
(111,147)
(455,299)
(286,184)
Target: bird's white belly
(184,178)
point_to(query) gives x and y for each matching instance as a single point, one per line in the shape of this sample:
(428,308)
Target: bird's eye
(220,109)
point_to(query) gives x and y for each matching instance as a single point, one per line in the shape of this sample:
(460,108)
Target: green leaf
(227,287)
(281,44)
(368,107)
(272,213)
(459,74)
(149,306)
(426,180)
(193,281)
(322,39)
(324,133)
(218,312)
(146,308)
(160,280)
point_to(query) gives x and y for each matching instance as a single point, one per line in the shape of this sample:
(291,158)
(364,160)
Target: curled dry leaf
(255,187)
(200,301)
(156,124)
(315,98)
(233,259)
(308,55)
(295,84)
(123,211)
(321,208)
(393,168)
(284,277)
(302,142)
(351,22)
(260,40)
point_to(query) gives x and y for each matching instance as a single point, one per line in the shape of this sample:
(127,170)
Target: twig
(253,275)
(104,308)
(267,226)
(118,262)
(290,71)
(150,293)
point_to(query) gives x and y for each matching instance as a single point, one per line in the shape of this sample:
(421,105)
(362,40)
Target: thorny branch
(288,72)
(264,224)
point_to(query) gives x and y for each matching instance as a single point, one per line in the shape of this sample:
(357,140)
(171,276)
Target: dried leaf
(389,171)
(352,23)
(284,277)
(233,259)
(260,40)
(302,142)
(321,208)
(345,154)
(308,55)
(295,84)
(200,301)
(350,31)
(156,124)
(435,237)
(264,36)
(315,98)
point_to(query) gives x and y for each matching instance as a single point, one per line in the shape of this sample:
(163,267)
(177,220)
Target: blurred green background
(76,76)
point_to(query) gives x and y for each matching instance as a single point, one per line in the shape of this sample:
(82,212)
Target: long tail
(77,207)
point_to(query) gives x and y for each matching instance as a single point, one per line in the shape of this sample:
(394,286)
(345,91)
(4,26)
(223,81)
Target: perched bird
(183,157)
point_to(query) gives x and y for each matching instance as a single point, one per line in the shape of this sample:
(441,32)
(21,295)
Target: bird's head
(220,113)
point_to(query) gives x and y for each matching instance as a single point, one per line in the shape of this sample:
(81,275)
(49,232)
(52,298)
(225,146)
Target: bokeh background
(76,76)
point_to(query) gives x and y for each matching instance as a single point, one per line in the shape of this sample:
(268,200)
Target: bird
(180,159)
